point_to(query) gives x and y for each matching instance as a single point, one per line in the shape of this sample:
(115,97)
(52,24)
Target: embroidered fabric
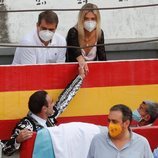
(31,124)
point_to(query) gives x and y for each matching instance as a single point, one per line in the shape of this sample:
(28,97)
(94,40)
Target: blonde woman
(86,32)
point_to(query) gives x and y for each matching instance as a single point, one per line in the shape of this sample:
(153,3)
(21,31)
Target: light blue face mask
(136,116)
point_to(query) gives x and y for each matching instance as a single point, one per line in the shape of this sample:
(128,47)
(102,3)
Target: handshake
(83,69)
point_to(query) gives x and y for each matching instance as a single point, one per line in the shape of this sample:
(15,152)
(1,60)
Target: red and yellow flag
(107,83)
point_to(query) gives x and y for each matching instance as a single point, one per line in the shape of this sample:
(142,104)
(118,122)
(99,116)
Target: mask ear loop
(147,117)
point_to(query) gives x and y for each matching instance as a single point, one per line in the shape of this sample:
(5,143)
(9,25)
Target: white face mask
(46,35)
(90,25)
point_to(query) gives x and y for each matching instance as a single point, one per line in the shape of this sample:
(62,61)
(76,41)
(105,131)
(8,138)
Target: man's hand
(84,66)
(24,135)
(81,72)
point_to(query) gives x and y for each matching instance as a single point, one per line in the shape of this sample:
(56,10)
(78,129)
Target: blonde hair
(80,27)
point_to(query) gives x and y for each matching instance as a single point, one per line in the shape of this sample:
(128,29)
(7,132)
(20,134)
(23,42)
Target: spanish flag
(107,83)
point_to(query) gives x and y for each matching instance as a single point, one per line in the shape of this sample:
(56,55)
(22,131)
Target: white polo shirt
(40,55)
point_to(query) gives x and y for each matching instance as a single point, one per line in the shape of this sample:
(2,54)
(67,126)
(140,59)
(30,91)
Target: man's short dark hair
(49,16)
(126,111)
(37,100)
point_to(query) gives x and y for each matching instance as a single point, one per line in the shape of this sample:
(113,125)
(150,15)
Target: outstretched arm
(67,95)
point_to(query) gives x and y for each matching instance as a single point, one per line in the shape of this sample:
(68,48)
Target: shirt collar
(39,120)
(126,145)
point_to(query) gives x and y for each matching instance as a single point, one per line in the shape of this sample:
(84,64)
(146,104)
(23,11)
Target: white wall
(117,24)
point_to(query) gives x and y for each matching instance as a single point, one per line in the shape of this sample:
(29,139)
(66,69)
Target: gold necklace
(87,44)
(87,40)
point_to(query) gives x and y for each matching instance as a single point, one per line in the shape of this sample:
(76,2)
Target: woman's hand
(83,64)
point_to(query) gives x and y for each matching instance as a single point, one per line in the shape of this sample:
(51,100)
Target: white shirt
(41,121)
(91,54)
(40,55)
